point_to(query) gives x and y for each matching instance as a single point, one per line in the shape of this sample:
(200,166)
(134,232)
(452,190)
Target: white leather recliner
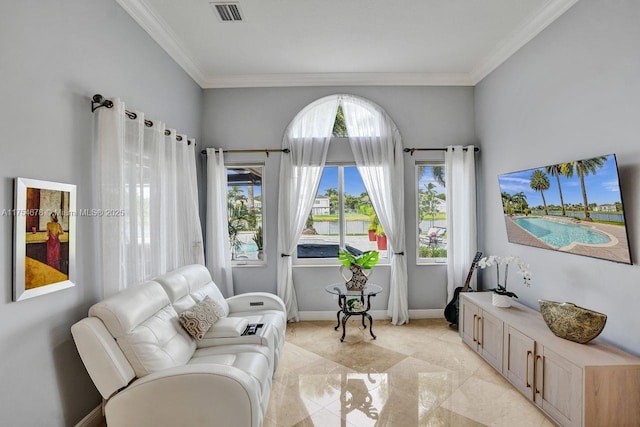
(190,284)
(150,372)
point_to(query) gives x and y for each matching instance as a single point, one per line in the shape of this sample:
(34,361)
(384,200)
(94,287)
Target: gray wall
(257,118)
(571,93)
(55,55)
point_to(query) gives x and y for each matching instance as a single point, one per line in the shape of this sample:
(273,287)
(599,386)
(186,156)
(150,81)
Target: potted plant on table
(357,265)
(501,296)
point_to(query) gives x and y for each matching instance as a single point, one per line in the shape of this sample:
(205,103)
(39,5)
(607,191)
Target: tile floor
(413,375)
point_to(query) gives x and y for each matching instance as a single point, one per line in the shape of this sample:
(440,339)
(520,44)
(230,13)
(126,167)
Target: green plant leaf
(366,261)
(346,258)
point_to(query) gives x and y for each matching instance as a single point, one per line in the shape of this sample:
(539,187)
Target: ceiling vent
(227,12)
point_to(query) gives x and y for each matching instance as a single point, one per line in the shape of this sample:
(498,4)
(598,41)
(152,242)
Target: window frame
(418,165)
(247,165)
(324,262)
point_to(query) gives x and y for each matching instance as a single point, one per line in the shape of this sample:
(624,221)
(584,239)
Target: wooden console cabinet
(592,384)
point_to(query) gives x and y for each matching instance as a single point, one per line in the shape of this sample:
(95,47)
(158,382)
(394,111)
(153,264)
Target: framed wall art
(45,237)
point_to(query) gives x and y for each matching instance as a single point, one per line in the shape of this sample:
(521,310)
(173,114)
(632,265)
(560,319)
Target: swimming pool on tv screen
(561,234)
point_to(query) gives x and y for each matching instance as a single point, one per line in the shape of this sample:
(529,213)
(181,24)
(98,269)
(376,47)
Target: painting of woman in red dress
(54,231)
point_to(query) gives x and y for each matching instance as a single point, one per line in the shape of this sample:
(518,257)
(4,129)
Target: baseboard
(376,314)
(428,313)
(93,418)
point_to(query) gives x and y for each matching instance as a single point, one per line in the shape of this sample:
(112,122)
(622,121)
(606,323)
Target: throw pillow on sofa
(218,308)
(199,319)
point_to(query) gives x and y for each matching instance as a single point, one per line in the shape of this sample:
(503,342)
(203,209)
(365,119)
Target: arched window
(377,149)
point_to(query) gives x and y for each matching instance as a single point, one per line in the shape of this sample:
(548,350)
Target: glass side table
(344,295)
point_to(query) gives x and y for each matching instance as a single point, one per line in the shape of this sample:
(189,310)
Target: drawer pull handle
(474,328)
(529,353)
(540,373)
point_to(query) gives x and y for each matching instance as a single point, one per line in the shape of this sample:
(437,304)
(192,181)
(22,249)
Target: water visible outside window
(432,213)
(244,195)
(342,215)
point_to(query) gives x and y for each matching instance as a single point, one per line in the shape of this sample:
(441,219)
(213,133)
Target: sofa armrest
(255,301)
(189,395)
(106,364)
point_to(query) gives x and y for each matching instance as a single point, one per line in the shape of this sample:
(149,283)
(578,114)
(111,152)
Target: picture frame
(45,237)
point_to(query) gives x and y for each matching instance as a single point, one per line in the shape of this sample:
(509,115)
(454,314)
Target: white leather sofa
(190,284)
(151,372)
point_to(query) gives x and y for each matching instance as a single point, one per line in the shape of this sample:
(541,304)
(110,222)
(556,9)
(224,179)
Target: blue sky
(353,184)
(426,178)
(602,187)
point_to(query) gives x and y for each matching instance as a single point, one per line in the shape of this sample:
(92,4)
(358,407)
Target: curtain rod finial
(98,101)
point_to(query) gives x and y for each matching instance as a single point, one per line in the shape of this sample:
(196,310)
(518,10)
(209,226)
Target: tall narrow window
(245,204)
(432,213)
(342,216)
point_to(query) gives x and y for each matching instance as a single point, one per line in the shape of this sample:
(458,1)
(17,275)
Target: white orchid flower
(523,269)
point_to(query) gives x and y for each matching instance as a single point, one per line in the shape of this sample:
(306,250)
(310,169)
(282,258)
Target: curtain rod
(411,150)
(256,150)
(98,101)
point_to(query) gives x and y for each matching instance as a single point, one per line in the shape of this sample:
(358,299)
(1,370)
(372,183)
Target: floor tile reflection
(413,375)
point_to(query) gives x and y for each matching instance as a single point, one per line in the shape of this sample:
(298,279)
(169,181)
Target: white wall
(55,55)
(257,118)
(571,93)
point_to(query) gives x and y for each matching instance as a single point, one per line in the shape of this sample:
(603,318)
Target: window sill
(243,264)
(430,262)
(336,265)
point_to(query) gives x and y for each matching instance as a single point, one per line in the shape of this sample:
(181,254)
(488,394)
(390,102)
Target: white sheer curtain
(307,137)
(377,148)
(147,199)
(461,213)
(218,251)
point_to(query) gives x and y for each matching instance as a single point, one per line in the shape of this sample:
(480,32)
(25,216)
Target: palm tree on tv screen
(586,167)
(520,199)
(507,200)
(564,169)
(540,182)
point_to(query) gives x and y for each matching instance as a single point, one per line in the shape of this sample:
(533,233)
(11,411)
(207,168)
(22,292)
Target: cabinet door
(558,388)
(519,351)
(490,339)
(468,323)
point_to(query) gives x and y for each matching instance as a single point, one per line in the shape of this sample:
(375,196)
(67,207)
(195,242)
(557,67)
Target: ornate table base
(346,314)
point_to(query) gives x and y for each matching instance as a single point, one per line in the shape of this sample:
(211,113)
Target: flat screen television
(574,207)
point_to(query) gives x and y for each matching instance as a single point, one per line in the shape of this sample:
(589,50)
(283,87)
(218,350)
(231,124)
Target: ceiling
(343,42)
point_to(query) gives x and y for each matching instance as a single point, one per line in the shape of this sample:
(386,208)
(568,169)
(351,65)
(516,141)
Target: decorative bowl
(568,321)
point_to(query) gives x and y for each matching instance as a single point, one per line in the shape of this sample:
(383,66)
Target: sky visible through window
(426,177)
(353,184)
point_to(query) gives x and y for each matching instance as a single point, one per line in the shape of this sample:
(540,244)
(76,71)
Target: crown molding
(551,11)
(160,31)
(337,79)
